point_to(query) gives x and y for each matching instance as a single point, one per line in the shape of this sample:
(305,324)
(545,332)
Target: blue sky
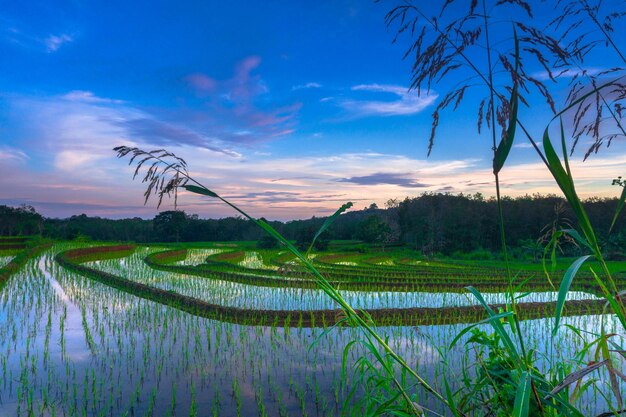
(288,110)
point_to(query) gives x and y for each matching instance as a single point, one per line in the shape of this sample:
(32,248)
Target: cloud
(63,209)
(269,186)
(527,145)
(10,154)
(404,102)
(156,132)
(397,90)
(137,124)
(88,97)
(13,33)
(402,179)
(74,159)
(241,88)
(243,103)
(569,73)
(54,42)
(306,86)
(298,187)
(201,83)
(77,130)
(244,86)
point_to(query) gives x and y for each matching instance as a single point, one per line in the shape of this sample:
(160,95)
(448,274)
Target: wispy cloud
(10,154)
(201,83)
(527,145)
(40,40)
(569,73)
(402,102)
(243,103)
(306,86)
(54,42)
(378,178)
(78,129)
(156,132)
(89,97)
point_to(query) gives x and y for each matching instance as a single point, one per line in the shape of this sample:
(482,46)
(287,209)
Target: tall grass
(450,49)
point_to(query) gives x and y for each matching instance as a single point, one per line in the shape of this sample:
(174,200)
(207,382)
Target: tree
(372,229)
(266,241)
(23,220)
(305,236)
(168,225)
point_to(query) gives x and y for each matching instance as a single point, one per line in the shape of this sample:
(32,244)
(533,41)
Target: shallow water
(70,346)
(268,298)
(198,256)
(5,260)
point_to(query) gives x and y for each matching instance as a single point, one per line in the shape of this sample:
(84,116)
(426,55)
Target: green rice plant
(20,260)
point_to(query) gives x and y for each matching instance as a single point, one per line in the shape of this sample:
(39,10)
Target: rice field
(5,259)
(71,345)
(267,298)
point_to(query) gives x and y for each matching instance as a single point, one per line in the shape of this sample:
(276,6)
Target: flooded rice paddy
(71,346)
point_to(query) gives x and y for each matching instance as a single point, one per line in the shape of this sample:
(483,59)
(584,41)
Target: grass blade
(200,190)
(495,323)
(504,148)
(327,223)
(450,396)
(565,182)
(522,396)
(498,316)
(575,376)
(573,233)
(564,289)
(620,206)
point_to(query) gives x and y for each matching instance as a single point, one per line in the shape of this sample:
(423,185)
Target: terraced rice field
(148,331)
(5,259)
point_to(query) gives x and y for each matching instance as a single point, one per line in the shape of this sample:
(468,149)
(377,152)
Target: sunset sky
(287,110)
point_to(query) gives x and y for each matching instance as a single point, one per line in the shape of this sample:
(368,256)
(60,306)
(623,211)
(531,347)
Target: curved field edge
(73,259)
(13,242)
(20,260)
(359,279)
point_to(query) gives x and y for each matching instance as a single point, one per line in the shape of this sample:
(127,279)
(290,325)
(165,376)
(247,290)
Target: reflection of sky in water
(267,298)
(254,261)
(198,256)
(49,317)
(5,260)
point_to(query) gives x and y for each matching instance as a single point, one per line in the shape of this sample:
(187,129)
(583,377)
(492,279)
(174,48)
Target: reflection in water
(5,260)
(70,346)
(198,256)
(267,298)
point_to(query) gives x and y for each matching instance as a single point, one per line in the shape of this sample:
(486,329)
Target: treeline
(430,223)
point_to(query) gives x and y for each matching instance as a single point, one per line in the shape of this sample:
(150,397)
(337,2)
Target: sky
(288,109)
